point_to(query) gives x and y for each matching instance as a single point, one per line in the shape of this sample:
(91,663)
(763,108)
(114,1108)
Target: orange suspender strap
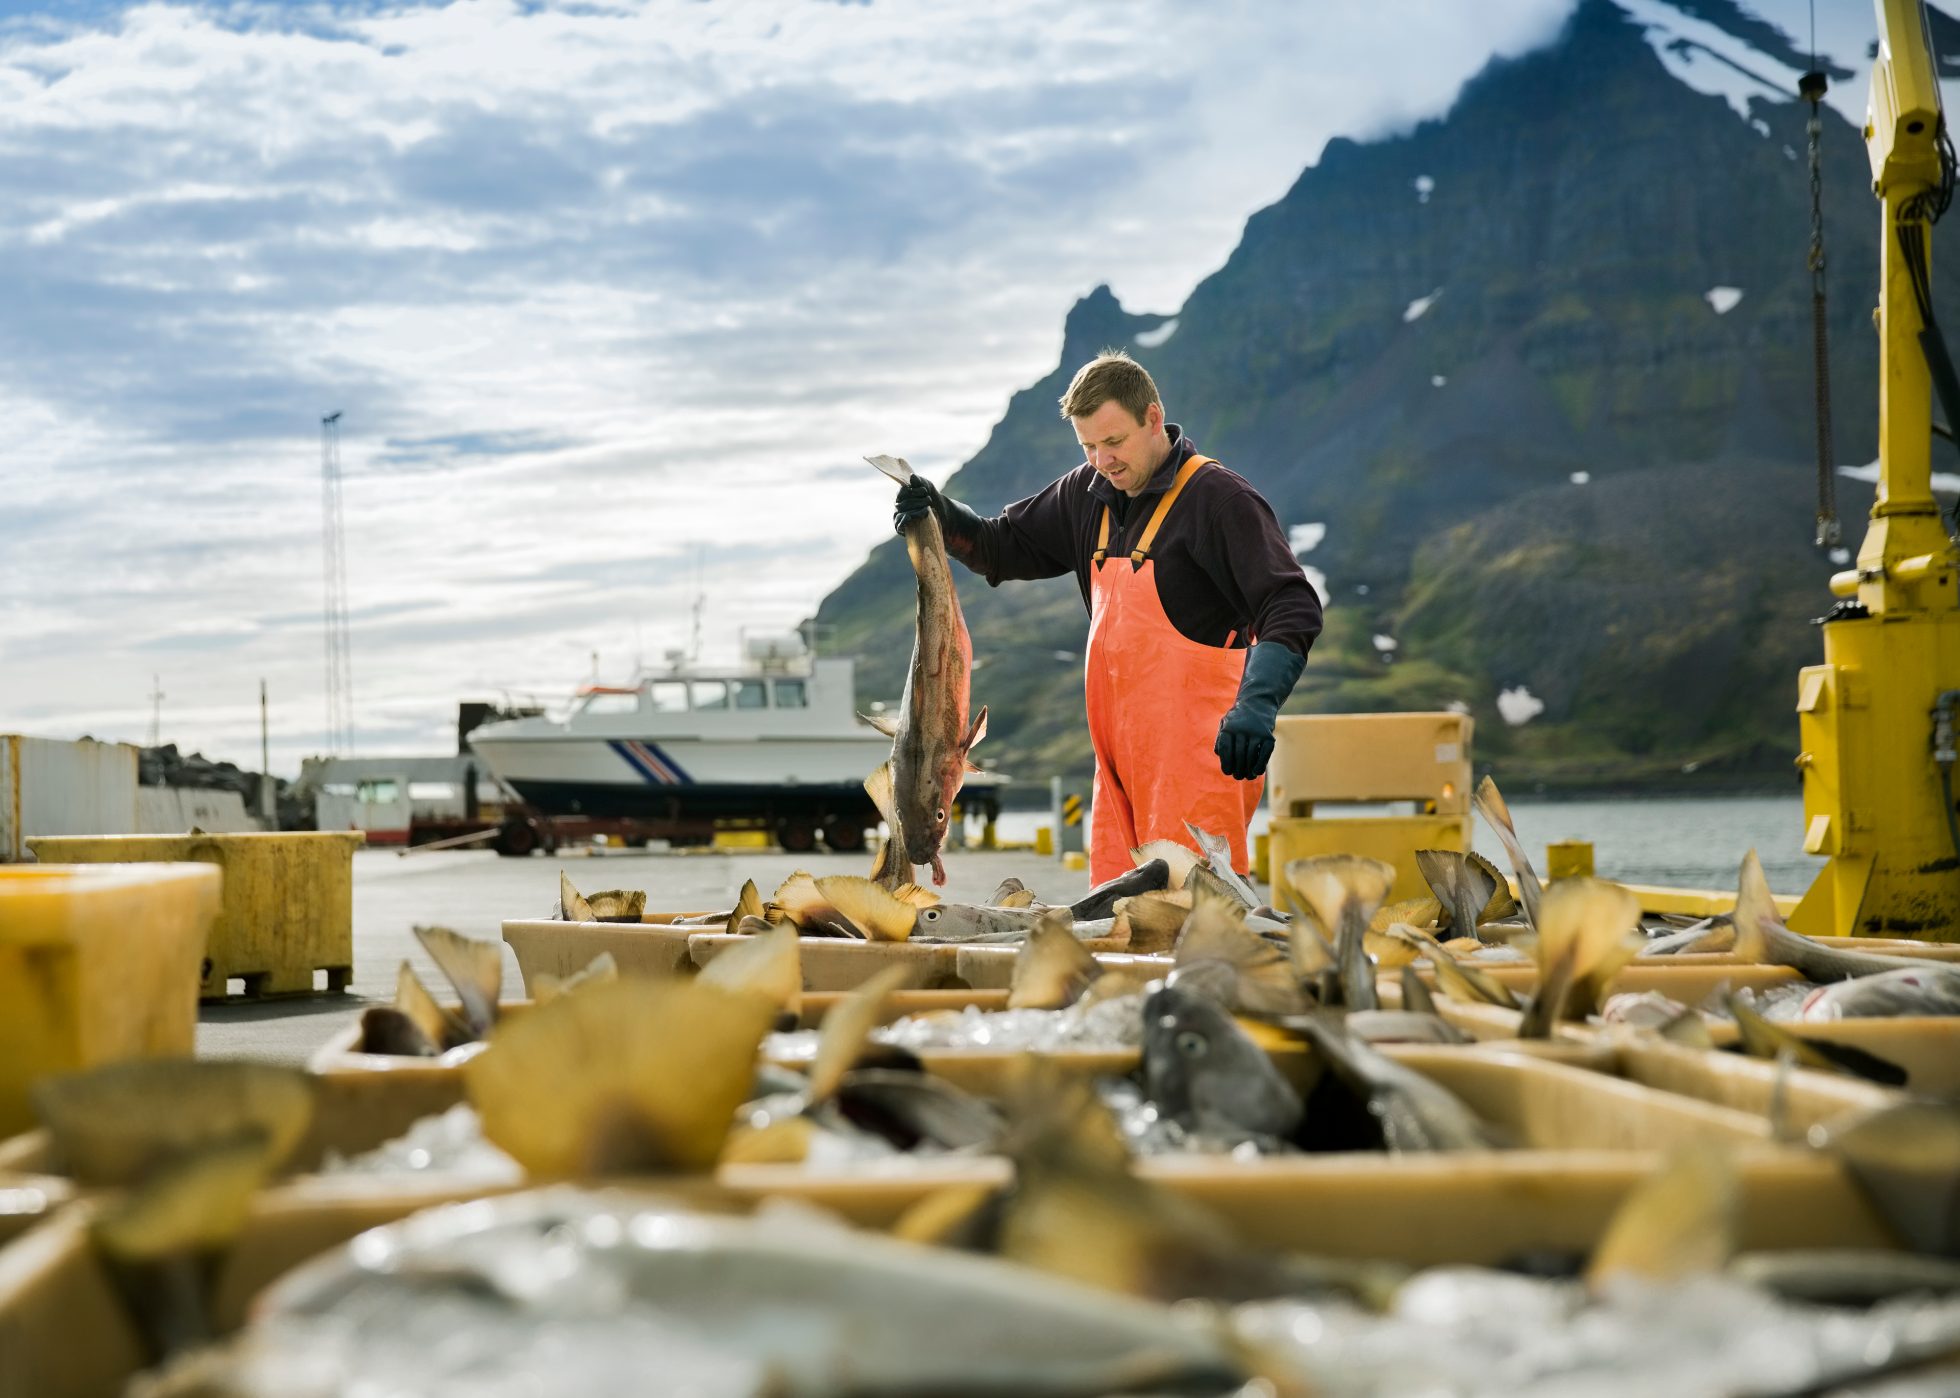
(1142,550)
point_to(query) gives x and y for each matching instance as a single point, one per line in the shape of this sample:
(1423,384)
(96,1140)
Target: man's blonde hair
(1111,377)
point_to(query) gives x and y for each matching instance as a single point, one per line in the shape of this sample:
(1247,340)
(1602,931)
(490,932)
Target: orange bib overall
(1155,699)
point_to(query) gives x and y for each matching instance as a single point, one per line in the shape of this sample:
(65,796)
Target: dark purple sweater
(1224,571)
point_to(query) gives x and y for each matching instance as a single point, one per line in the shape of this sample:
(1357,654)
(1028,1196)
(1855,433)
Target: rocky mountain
(1533,382)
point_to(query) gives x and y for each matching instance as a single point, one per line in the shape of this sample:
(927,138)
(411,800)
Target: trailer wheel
(797,836)
(843,836)
(516,839)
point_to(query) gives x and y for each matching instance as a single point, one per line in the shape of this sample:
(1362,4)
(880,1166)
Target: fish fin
(572,906)
(1458,884)
(1153,919)
(644,1073)
(1263,978)
(1678,1223)
(767,963)
(772,914)
(1502,903)
(884,723)
(618,905)
(1469,984)
(747,904)
(442,1029)
(893,466)
(1390,953)
(878,914)
(598,971)
(1591,928)
(112,1125)
(976,732)
(1755,913)
(1011,888)
(1180,858)
(1415,994)
(916,896)
(878,786)
(1211,846)
(1340,888)
(475,969)
(799,898)
(1905,1157)
(1490,804)
(1418,913)
(891,869)
(156,1240)
(847,1030)
(1052,968)
(1342,891)
(1312,952)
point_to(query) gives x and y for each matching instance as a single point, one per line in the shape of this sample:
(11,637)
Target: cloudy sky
(612,297)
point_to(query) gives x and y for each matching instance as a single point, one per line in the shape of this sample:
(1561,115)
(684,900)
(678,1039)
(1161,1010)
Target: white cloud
(1723,298)
(1519,706)
(597,286)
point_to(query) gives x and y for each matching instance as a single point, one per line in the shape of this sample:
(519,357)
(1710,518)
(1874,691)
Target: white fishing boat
(773,740)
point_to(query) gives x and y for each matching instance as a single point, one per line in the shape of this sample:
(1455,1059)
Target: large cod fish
(914,791)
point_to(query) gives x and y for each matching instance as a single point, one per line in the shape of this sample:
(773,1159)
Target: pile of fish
(1077,1280)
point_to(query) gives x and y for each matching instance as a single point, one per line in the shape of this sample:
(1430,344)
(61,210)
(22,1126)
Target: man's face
(1120,449)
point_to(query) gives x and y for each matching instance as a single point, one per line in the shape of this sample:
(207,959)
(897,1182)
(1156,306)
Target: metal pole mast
(340,664)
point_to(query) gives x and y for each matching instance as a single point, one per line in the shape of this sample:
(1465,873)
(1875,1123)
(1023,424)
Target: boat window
(790,695)
(603,704)
(378,791)
(751,694)
(711,694)
(669,696)
(434,791)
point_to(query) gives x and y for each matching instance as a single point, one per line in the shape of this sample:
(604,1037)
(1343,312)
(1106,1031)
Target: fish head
(1202,1069)
(956,922)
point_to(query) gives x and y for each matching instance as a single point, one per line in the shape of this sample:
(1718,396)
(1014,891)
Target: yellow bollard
(1075,859)
(1568,859)
(1044,840)
(1262,855)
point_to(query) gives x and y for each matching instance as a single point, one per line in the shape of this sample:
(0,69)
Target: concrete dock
(474,892)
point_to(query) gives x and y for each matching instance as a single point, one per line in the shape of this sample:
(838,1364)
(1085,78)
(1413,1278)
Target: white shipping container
(52,787)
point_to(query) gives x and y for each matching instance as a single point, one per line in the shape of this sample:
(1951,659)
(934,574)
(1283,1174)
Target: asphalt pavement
(475,892)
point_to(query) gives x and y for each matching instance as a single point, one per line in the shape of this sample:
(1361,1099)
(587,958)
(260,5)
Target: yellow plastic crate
(288,901)
(97,964)
(1392,838)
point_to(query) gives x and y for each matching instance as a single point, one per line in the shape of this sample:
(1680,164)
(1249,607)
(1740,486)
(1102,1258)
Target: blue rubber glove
(1245,736)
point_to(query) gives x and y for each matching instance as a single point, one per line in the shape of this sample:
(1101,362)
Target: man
(1200,618)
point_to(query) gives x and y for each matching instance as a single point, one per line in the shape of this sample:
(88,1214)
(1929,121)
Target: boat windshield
(668,696)
(790,694)
(750,694)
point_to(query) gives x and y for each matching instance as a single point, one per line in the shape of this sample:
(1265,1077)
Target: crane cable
(1811,88)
